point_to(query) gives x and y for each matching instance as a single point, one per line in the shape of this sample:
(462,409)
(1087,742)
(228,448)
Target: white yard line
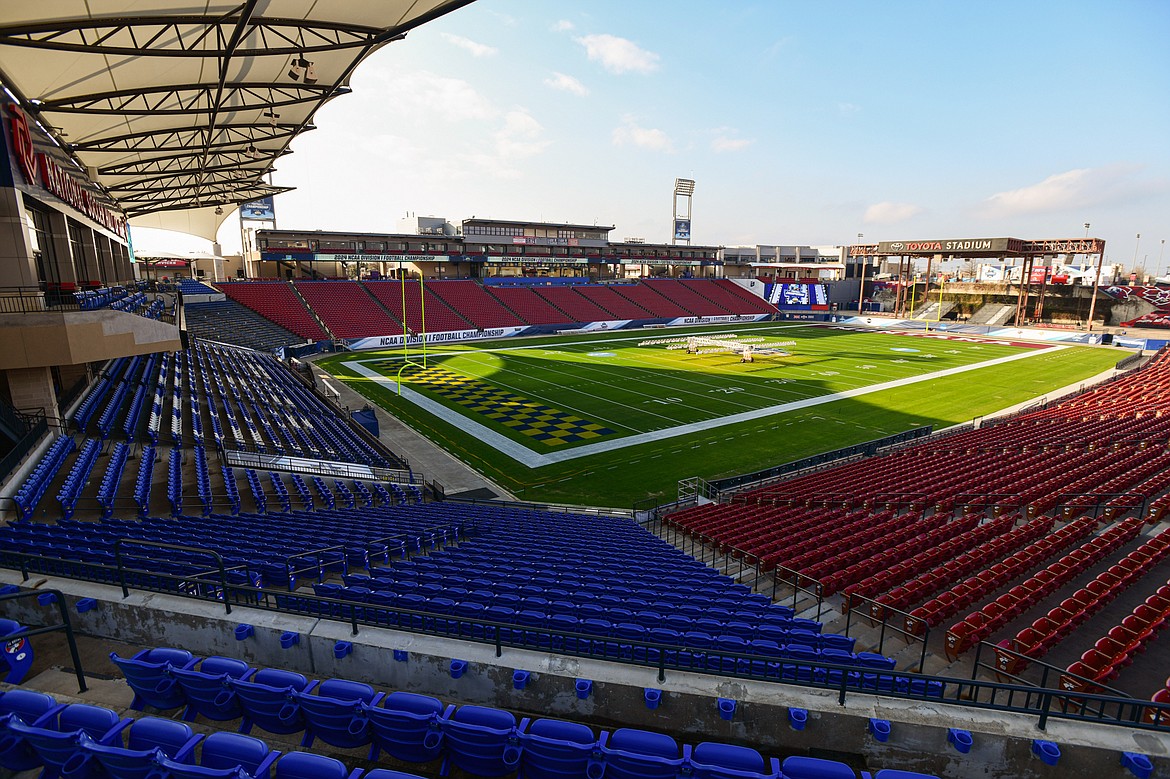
(526,456)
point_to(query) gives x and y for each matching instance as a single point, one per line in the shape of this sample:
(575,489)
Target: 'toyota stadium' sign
(958,245)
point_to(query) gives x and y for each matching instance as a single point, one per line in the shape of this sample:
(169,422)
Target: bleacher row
(252,392)
(250,402)
(351,309)
(83,741)
(120,298)
(524,570)
(1086,462)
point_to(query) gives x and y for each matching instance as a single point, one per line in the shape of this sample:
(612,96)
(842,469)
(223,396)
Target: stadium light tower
(864,262)
(681,222)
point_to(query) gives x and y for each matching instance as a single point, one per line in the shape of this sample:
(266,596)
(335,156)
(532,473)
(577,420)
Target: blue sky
(802,123)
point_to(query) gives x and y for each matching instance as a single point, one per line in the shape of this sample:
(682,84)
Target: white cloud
(439,97)
(848,109)
(562,25)
(629,133)
(521,136)
(1074,189)
(566,83)
(889,213)
(726,140)
(619,55)
(468,45)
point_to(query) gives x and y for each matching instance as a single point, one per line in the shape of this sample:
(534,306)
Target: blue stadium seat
(407,726)
(482,741)
(306,765)
(269,702)
(148,673)
(713,760)
(55,737)
(334,713)
(554,749)
(222,756)
(208,691)
(30,707)
(146,739)
(797,767)
(640,754)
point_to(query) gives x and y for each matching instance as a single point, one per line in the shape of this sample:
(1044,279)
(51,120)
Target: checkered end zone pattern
(536,420)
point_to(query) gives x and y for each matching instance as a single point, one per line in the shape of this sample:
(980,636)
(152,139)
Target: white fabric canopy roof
(185,106)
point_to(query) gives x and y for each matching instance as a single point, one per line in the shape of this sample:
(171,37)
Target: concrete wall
(1002,741)
(72,337)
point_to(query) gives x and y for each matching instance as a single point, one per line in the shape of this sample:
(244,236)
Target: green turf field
(598,419)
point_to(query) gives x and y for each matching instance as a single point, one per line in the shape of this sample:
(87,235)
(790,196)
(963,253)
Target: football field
(601,419)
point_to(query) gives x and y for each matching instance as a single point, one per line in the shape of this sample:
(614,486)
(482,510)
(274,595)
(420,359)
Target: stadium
(506,497)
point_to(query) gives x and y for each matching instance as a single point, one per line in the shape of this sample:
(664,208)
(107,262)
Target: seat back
(306,765)
(271,708)
(16,754)
(223,750)
(149,738)
(335,714)
(797,767)
(58,738)
(407,726)
(713,760)
(481,741)
(149,674)
(555,748)
(640,754)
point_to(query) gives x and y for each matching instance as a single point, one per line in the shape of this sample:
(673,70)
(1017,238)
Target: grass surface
(608,380)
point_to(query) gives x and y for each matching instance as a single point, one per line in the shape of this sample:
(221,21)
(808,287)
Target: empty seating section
(33,488)
(267,409)
(196,287)
(78,475)
(530,307)
(609,300)
(570,301)
(250,544)
(108,489)
(37,731)
(688,296)
(277,301)
(94,299)
(221,396)
(347,309)
(978,587)
(472,302)
(979,625)
(227,321)
(440,317)
(644,296)
(1035,641)
(106,381)
(268,314)
(523,570)
(999,519)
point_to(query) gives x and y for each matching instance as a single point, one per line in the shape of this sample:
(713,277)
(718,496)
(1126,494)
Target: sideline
(526,456)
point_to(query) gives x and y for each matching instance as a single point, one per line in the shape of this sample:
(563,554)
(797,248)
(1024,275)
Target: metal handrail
(876,611)
(65,625)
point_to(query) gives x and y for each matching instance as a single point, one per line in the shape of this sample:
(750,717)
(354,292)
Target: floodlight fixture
(300,68)
(685,187)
